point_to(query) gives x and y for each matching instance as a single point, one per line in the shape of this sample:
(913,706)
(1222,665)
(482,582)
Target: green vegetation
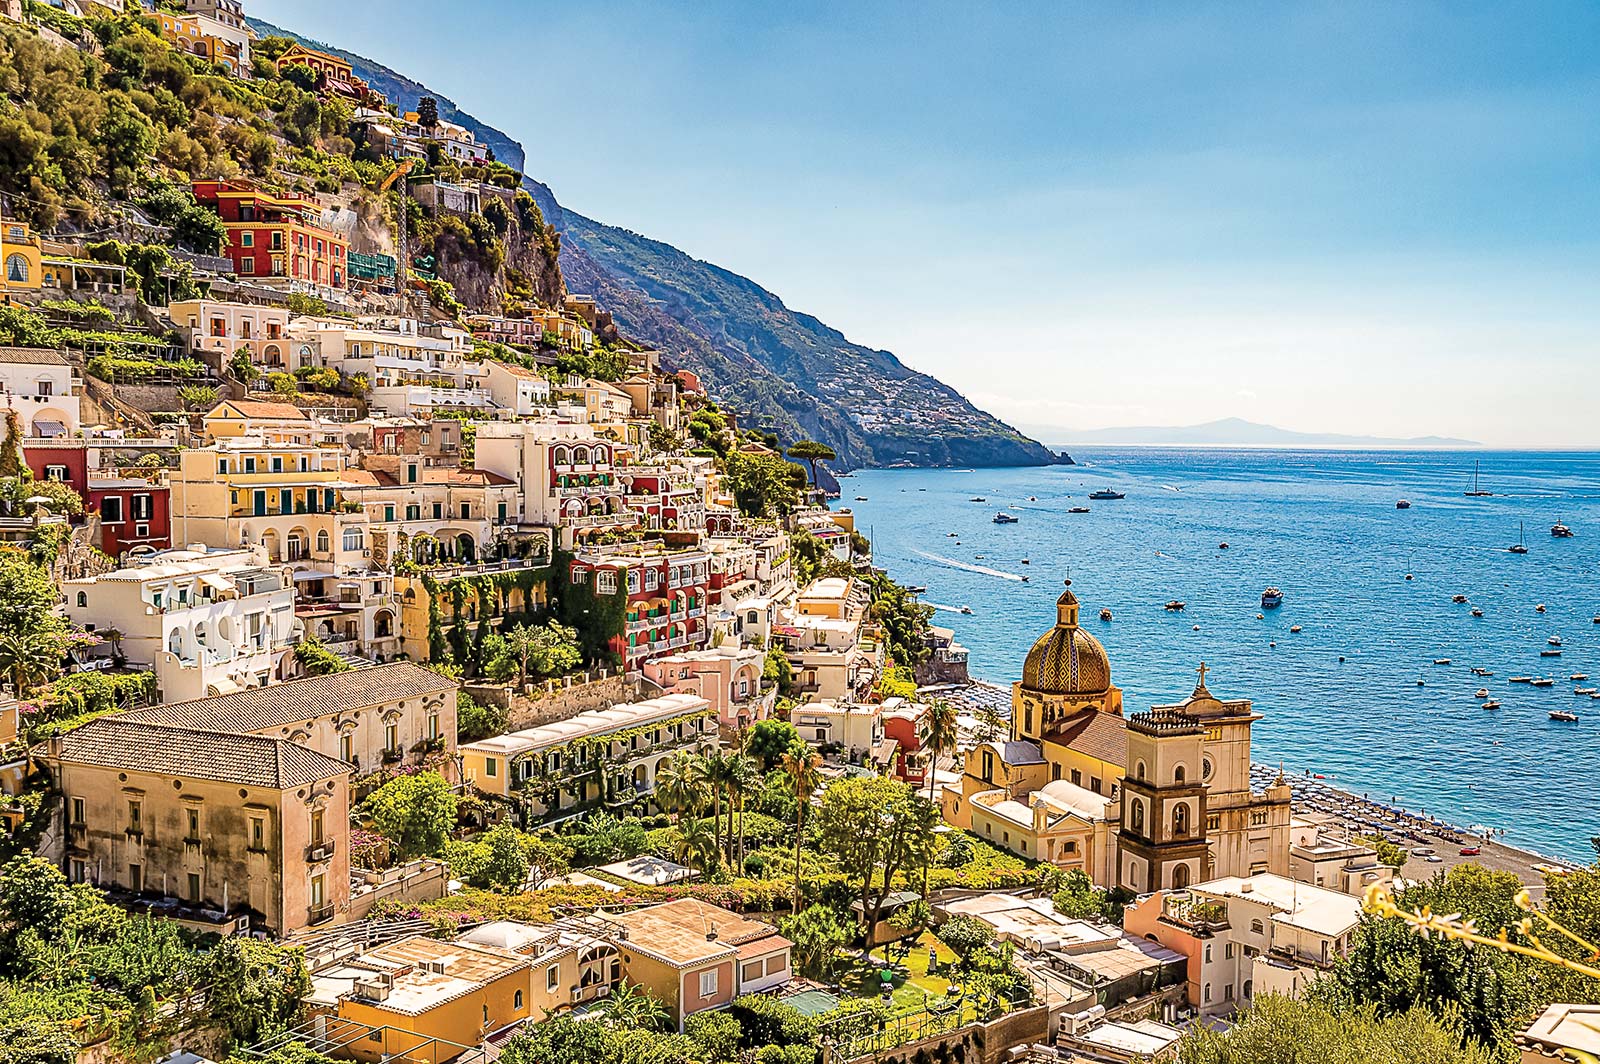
(1390,853)
(318,660)
(416,813)
(1279,1029)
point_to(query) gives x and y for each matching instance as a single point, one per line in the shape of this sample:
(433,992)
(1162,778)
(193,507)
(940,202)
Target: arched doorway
(466,550)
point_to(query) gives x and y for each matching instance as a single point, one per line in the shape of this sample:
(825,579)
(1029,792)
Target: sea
(1361,693)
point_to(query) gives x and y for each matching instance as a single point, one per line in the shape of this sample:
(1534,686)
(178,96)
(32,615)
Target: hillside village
(402,662)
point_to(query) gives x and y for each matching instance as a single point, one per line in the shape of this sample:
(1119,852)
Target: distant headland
(1237,432)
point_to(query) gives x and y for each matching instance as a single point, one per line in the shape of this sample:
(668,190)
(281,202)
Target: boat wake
(943,607)
(979,569)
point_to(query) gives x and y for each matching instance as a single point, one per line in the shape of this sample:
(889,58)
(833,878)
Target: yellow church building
(1060,788)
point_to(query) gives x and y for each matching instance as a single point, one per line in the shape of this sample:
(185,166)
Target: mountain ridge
(1237,432)
(786,371)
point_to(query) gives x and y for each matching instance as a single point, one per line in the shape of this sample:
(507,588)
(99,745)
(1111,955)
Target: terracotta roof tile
(35,356)
(248,760)
(1099,735)
(250,408)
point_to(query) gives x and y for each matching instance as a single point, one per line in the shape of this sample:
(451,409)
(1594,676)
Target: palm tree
(28,656)
(716,768)
(629,1006)
(743,779)
(681,785)
(937,733)
(696,845)
(801,763)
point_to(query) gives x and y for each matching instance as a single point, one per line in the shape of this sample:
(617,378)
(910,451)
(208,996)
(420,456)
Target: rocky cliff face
(786,371)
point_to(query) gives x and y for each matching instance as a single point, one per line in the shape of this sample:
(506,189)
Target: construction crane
(402,257)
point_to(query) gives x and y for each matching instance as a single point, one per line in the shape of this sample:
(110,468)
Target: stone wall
(421,880)
(978,1043)
(558,700)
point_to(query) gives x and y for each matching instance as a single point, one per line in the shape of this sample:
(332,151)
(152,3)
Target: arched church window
(1178,774)
(1136,819)
(1180,820)
(1206,768)
(1180,876)
(1138,771)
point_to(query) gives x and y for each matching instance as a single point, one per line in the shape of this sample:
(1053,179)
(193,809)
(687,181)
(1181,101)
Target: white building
(516,390)
(207,621)
(39,385)
(215,325)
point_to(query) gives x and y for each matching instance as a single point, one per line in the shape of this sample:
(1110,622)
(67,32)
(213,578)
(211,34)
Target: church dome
(1067,660)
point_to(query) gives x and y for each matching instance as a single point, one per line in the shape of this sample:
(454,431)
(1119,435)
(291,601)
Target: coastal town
(402,662)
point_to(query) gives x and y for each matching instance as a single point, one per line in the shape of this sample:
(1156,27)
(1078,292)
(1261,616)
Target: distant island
(1237,432)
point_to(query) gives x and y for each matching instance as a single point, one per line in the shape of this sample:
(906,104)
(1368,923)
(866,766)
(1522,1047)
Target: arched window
(580,456)
(1256,928)
(17,270)
(322,541)
(1180,876)
(1138,771)
(83,598)
(1177,774)
(1180,820)
(1136,820)
(354,539)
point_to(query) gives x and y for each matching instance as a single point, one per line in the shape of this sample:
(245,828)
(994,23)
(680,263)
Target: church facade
(1153,800)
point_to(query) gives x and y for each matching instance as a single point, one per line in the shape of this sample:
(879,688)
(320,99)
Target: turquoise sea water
(1323,527)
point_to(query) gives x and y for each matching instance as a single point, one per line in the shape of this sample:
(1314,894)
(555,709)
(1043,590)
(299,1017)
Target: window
(194,886)
(141,508)
(1227,951)
(708,983)
(83,599)
(1136,819)
(413,512)
(318,891)
(247,240)
(500,512)
(77,810)
(516,1001)
(277,463)
(58,473)
(135,878)
(1177,774)
(111,510)
(316,827)
(193,820)
(580,576)
(1256,927)
(1077,778)
(466,510)
(1180,820)
(605,582)
(391,738)
(491,767)
(1208,953)
(354,539)
(135,817)
(751,971)
(17,269)
(552,975)
(322,541)
(438,511)
(1138,770)
(258,833)
(46,388)
(346,748)
(433,725)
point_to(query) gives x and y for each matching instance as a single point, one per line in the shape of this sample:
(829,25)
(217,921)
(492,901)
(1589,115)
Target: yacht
(1476,492)
(1107,493)
(1562,714)
(1004,518)
(1271,598)
(1545,682)
(1085,509)
(1560,531)
(1402,505)
(1519,547)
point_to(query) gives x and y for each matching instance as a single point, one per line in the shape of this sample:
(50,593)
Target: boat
(1441,661)
(1476,492)
(1402,505)
(1519,547)
(1024,579)
(1458,599)
(1539,608)
(1105,615)
(1271,598)
(1085,509)
(1562,714)
(1578,676)
(861,498)
(1004,519)
(1584,691)
(1222,546)
(1519,679)
(1554,640)
(1294,628)
(1482,692)
(917,589)
(1476,612)
(1477,670)
(1545,682)
(1493,703)
(1549,653)
(1106,493)
(1026,562)
(949,535)
(1033,498)
(977,498)
(1560,531)
(1420,681)
(1174,605)
(967,610)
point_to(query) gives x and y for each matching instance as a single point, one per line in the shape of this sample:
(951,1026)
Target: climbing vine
(600,620)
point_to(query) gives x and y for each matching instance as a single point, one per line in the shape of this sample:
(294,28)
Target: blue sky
(1374,218)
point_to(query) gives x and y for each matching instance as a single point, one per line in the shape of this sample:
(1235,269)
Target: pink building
(729,677)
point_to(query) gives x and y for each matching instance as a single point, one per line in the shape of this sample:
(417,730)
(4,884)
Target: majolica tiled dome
(1067,660)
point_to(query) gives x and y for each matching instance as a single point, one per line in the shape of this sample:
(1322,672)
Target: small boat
(1174,605)
(1519,679)
(1026,562)
(1024,579)
(1476,492)
(1004,519)
(1294,628)
(1493,703)
(1482,692)
(967,610)
(1105,615)
(1402,505)
(1476,612)
(949,535)
(861,498)
(1441,661)
(1222,546)
(1539,608)
(1106,493)
(1590,691)
(977,498)
(1078,510)
(1545,682)
(1477,670)
(1271,598)
(1519,547)
(1420,681)
(1458,599)
(1560,531)
(1554,640)
(1562,714)
(1549,653)
(1578,676)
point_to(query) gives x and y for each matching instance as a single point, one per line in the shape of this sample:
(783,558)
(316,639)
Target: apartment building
(565,473)
(562,769)
(434,513)
(273,422)
(210,825)
(206,621)
(276,236)
(666,592)
(223,328)
(570,962)
(727,677)
(516,390)
(41,387)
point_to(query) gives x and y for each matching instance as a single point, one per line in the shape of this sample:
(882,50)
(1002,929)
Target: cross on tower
(1202,670)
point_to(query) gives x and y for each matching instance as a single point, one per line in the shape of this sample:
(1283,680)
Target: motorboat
(1519,547)
(1107,493)
(1549,653)
(1476,612)
(1085,509)
(1476,492)
(1539,608)
(1441,661)
(917,589)
(1590,691)
(1271,598)
(1026,562)
(967,610)
(1545,682)
(1560,531)
(1105,615)
(1004,519)
(1024,579)
(1294,628)
(1458,599)
(1174,605)
(1493,703)
(1482,692)
(1562,714)
(1420,681)
(1519,679)
(1402,505)
(1554,640)
(861,498)
(1578,676)
(1222,546)
(977,498)
(1478,670)
(1033,498)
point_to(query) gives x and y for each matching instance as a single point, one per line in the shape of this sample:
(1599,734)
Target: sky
(1344,217)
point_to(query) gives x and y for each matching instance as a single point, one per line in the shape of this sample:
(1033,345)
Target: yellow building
(1059,788)
(21,268)
(274,422)
(422,998)
(569,963)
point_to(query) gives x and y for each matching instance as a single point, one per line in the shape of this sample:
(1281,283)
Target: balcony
(321,851)
(316,914)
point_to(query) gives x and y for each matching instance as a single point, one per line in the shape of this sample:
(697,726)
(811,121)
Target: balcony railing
(321,851)
(315,914)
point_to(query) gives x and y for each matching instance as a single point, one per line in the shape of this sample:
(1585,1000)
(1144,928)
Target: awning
(42,427)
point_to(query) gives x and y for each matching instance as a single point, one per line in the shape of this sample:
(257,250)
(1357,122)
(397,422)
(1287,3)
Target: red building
(63,460)
(271,236)
(135,515)
(901,724)
(667,595)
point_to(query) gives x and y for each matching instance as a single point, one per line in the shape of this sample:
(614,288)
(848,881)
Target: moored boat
(1441,661)
(1078,510)
(1519,547)
(1174,605)
(1560,531)
(1271,598)
(1105,615)
(1562,714)
(1554,640)
(1482,692)
(1004,518)
(1545,682)
(1476,612)
(1294,628)
(1493,703)
(1458,599)
(1106,493)
(1584,691)
(1549,653)
(1519,679)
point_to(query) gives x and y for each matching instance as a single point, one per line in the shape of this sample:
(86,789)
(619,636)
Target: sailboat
(1519,547)
(1476,492)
